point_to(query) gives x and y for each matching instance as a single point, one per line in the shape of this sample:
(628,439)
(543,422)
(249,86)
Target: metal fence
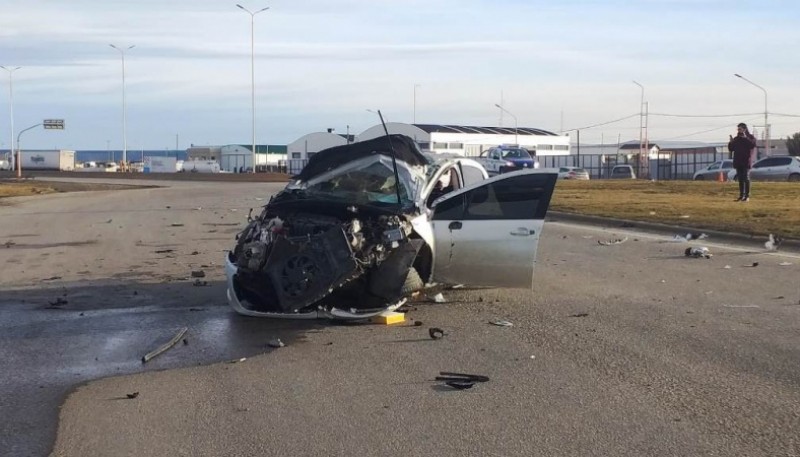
(667,165)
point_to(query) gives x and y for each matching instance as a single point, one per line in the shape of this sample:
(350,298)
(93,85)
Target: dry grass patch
(774,207)
(21,189)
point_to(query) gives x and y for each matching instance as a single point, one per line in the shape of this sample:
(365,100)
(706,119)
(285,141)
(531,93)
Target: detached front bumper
(334,313)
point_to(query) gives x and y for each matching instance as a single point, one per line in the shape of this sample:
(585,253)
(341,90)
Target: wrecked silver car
(366,224)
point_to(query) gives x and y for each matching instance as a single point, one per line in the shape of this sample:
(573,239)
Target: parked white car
(782,168)
(348,240)
(711,172)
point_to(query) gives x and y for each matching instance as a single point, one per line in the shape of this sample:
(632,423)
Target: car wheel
(735,178)
(794,177)
(413,282)
(699,178)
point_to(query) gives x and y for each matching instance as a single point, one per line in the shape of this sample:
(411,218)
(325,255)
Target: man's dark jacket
(742,148)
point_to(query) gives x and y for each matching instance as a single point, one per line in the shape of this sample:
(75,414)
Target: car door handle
(522,231)
(455,225)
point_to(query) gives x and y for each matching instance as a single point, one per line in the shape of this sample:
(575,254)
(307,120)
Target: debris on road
(727,267)
(176,225)
(166,346)
(628,225)
(52,278)
(612,242)
(195,253)
(741,306)
(785,264)
(132,396)
(773,243)
(689,237)
(418,323)
(200,283)
(198,274)
(698,252)
(276,343)
(457,286)
(238,360)
(579,315)
(109,221)
(58,303)
(436,333)
(164,251)
(439,298)
(502,323)
(461,380)
(753,265)
(8,244)
(389,318)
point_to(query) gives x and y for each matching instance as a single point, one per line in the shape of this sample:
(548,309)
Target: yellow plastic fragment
(389,318)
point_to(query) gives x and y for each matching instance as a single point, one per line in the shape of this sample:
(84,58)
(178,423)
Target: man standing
(742,147)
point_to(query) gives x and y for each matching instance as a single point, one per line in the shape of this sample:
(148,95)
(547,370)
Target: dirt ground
(13,188)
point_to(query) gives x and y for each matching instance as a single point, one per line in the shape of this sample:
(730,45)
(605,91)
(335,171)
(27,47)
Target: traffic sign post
(49,124)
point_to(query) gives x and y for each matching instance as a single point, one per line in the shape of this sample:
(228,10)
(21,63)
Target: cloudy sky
(321,64)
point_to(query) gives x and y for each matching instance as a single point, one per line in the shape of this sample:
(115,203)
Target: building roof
(430,128)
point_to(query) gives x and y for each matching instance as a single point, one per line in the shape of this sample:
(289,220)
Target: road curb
(667,229)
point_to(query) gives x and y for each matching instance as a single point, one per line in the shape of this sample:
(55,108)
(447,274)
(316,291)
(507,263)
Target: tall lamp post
(11,108)
(124,107)
(516,125)
(641,126)
(766,113)
(253,72)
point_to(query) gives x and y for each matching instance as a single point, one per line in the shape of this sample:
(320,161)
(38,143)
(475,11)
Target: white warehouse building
(471,141)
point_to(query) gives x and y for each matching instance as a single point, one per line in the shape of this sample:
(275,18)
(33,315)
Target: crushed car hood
(405,148)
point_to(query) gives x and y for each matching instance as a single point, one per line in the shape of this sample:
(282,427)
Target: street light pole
(252,73)
(766,113)
(641,120)
(124,108)
(11,109)
(516,124)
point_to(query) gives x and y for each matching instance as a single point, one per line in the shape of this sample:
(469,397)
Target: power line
(703,131)
(706,115)
(785,115)
(603,123)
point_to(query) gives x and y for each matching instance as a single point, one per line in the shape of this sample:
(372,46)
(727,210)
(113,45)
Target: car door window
(523,197)
(471,174)
(782,161)
(765,163)
(714,166)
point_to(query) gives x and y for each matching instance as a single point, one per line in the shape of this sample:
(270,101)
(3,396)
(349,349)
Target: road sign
(57,124)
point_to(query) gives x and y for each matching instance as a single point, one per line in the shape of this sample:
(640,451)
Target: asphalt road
(630,349)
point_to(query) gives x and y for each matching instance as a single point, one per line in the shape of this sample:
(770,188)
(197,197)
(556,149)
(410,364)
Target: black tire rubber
(699,178)
(413,282)
(794,177)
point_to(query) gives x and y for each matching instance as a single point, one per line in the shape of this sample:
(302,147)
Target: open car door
(487,234)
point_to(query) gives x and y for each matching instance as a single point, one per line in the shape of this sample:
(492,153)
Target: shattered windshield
(368,181)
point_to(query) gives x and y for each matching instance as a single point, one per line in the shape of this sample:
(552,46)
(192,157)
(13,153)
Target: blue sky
(321,64)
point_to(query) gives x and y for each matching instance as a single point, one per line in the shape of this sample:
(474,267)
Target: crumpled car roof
(405,148)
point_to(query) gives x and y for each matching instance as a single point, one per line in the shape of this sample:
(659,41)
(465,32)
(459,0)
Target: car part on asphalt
(698,252)
(773,243)
(276,343)
(451,376)
(612,242)
(166,346)
(436,333)
(501,323)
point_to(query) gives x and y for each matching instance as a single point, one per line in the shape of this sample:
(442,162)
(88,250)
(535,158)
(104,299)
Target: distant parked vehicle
(622,172)
(573,173)
(712,171)
(507,158)
(5,165)
(784,168)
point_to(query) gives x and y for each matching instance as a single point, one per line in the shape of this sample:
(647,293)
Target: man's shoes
(739,199)
(746,199)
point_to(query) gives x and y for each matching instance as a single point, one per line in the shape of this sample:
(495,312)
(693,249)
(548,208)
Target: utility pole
(253,74)
(124,109)
(11,109)
(766,114)
(641,130)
